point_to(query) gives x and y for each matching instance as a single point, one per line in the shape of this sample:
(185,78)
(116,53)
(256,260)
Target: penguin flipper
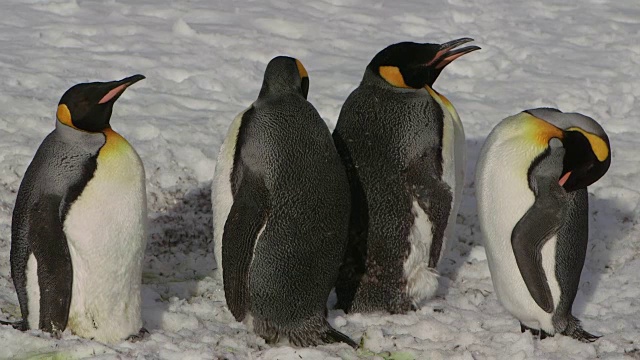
(529,235)
(353,265)
(55,274)
(19,257)
(247,217)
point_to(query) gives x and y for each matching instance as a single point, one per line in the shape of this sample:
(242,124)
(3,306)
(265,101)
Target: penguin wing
(247,217)
(20,252)
(539,224)
(433,196)
(39,228)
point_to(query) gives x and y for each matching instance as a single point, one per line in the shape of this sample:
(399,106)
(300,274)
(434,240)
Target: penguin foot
(535,332)
(575,330)
(18,325)
(139,336)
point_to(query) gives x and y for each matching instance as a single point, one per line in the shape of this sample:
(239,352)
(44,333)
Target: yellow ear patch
(598,145)
(64,115)
(393,76)
(301,70)
(542,131)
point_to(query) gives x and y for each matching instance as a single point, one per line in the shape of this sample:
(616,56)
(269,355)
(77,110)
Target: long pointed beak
(119,87)
(447,54)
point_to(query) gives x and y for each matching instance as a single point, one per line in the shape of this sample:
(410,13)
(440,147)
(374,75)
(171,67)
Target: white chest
(503,198)
(106,233)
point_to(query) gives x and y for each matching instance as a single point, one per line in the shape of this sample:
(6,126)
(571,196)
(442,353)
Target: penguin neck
(277,89)
(89,140)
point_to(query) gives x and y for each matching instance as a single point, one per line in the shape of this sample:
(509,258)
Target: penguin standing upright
(403,147)
(78,231)
(531,185)
(281,204)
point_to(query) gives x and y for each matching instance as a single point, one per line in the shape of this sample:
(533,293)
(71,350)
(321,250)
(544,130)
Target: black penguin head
(285,75)
(88,106)
(415,65)
(587,150)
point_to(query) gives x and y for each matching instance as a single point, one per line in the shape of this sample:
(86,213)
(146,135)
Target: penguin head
(415,65)
(285,75)
(587,152)
(88,106)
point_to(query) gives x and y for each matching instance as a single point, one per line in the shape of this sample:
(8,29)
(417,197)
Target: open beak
(447,54)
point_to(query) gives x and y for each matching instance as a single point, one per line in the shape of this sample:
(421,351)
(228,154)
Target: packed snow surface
(204,62)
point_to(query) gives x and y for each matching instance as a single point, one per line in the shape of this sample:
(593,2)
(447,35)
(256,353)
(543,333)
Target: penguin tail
(333,336)
(313,332)
(575,330)
(18,325)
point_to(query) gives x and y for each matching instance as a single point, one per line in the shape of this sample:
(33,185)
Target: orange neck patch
(393,76)
(64,115)
(114,143)
(436,95)
(541,131)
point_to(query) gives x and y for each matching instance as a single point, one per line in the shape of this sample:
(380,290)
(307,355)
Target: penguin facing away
(531,186)
(78,228)
(403,147)
(281,212)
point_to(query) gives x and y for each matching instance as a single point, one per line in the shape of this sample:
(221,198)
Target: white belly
(221,187)
(503,198)
(106,233)
(33,293)
(422,281)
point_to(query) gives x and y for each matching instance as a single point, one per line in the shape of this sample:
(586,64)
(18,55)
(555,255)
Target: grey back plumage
(286,231)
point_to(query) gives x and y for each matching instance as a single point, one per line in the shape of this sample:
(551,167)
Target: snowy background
(204,62)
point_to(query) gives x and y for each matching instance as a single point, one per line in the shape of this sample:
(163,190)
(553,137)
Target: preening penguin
(403,147)
(78,231)
(531,186)
(281,205)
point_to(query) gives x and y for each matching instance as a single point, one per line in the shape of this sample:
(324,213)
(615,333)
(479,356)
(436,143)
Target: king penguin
(531,186)
(78,228)
(403,147)
(281,212)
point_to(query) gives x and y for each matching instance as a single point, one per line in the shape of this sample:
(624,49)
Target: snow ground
(204,62)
